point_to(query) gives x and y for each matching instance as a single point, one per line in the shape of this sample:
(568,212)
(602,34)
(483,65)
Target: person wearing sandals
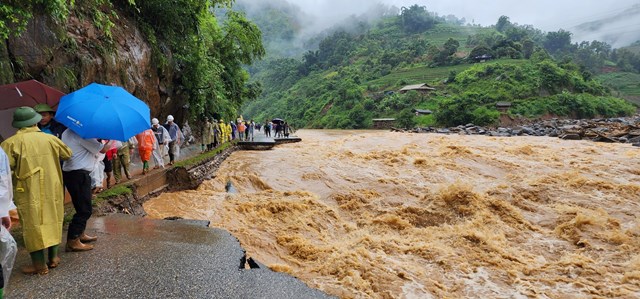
(34,159)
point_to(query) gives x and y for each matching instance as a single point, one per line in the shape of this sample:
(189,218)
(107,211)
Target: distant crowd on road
(215,131)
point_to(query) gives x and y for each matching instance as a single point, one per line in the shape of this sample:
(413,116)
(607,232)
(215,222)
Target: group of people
(157,142)
(44,158)
(216,132)
(281,128)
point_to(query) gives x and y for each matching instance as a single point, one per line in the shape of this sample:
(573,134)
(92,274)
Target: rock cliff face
(71,55)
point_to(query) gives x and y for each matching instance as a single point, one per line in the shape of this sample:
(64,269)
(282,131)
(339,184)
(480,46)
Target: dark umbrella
(277,121)
(102,111)
(26,93)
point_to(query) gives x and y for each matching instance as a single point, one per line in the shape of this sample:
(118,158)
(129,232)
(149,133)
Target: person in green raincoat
(38,192)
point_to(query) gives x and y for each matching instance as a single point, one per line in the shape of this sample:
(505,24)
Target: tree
(479,51)
(527,48)
(14,15)
(503,24)
(405,119)
(556,42)
(448,50)
(416,19)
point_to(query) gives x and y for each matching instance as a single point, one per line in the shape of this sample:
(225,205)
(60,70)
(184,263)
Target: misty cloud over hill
(617,22)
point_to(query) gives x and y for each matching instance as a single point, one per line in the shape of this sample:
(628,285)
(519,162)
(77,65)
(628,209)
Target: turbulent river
(376,214)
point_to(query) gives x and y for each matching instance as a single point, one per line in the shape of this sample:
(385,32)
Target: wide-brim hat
(42,107)
(25,117)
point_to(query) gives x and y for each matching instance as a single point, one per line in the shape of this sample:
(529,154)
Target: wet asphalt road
(137,257)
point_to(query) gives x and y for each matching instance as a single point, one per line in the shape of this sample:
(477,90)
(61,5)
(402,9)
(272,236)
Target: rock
(570,137)
(634,140)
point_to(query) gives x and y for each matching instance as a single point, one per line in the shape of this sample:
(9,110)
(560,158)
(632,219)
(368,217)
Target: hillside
(354,75)
(177,56)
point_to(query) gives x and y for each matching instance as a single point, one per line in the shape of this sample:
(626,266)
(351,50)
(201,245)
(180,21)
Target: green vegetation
(200,54)
(356,72)
(428,74)
(623,84)
(14,15)
(195,160)
(208,52)
(348,75)
(115,191)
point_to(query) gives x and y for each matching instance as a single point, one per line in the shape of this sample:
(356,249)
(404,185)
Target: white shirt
(85,152)
(6,189)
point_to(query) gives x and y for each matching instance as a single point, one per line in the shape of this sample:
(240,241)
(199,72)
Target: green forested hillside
(354,74)
(196,63)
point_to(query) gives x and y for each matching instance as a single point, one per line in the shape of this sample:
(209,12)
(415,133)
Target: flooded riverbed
(373,214)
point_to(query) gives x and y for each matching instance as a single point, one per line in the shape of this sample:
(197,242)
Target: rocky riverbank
(620,130)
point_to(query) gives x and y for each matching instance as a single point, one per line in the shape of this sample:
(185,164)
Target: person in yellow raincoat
(229,132)
(223,132)
(34,158)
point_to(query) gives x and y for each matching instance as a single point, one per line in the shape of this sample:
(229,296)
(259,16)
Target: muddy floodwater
(376,214)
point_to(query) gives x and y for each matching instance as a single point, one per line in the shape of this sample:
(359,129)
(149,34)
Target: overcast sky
(548,15)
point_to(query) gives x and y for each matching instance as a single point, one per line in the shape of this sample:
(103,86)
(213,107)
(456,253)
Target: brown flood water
(376,214)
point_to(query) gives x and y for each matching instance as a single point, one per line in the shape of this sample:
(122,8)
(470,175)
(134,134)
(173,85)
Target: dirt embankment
(129,200)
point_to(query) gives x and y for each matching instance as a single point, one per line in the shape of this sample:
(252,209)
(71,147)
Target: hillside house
(422,111)
(421,88)
(482,58)
(503,107)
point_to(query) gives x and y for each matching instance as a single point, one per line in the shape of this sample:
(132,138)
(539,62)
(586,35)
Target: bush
(483,116)
(405,119)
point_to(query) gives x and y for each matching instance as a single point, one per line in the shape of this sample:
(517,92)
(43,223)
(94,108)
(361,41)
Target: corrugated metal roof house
(423,88)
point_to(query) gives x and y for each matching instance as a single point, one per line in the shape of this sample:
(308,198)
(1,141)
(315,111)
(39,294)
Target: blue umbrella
(102,111)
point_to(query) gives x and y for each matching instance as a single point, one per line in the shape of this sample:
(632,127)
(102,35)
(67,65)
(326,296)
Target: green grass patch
(425,74)
(623,84)
(115,191)
(199,158)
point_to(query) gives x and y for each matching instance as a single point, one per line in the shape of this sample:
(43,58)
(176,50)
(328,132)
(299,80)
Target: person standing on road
(147,143)
(223,131)
(75,172)
(176,139)
(6,204)
(207,135)
(251,126)
(162,137)
(122,158)
(34,159)
(267,128)
(47,124)
(216,134)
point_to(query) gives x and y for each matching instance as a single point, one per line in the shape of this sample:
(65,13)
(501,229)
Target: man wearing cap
(162,136)
(38,192)
(47,124)
(176,139)
(77,180)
